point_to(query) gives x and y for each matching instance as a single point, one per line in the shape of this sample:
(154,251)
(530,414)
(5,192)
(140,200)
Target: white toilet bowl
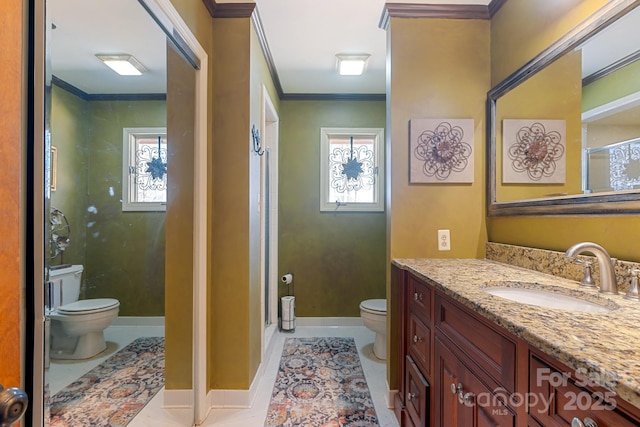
(374,316)
(77,329)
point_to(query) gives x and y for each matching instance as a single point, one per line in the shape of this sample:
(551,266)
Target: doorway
(174,32)
(269,218)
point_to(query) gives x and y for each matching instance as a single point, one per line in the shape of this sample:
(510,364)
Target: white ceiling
(303,36)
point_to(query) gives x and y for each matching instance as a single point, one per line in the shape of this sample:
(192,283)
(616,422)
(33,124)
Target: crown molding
(333,97)
(229,10)
(447,11)
(107,96)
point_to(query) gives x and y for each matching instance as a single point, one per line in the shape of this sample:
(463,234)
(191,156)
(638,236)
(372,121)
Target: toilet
(374,316)
(77,326)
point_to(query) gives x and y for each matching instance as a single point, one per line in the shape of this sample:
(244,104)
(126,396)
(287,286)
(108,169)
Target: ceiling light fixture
(352,65)
(125,65)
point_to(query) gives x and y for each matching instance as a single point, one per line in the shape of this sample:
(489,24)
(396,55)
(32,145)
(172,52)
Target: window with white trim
(144,169)
(351,169)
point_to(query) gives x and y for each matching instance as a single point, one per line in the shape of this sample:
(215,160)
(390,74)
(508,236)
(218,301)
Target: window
(144,169)
(351,169)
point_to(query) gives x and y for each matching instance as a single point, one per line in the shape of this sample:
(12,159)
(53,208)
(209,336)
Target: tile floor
(155,415)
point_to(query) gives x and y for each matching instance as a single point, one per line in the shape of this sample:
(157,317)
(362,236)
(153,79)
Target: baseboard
(175,399)
(391,397)
(235,399)
(138,321)
(329,321)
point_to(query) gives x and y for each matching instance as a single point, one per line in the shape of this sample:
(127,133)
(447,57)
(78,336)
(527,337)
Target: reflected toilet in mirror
(77,326)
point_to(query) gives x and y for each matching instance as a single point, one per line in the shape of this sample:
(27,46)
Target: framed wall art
(533,151)
(441,150)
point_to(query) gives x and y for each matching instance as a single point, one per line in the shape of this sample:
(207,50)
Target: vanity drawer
(491,350)
(419,343)
(419,297)
(417,398)
(555,398)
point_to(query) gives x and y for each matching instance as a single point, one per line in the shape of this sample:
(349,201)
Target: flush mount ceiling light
(125,65)
(352,65)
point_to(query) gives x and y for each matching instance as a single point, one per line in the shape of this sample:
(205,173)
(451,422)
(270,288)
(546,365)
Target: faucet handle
(632,292)
(587,279)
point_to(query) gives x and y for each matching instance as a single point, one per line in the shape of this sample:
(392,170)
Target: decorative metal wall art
(533,151)
(151,166)
(441,150)
(624,166)
(60,236)
(156,167)
(352,166)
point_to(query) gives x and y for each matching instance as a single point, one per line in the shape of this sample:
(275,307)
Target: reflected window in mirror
(144,166)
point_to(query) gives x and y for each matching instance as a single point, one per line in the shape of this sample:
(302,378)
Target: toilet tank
(64,285)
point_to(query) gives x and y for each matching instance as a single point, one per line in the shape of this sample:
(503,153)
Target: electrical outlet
(444,240)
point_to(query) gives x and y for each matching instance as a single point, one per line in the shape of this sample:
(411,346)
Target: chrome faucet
(608,283)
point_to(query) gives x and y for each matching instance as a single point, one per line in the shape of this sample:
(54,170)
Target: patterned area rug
(320,383)
(112,393)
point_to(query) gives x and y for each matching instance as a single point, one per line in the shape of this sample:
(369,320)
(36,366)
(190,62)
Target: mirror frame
(627,202)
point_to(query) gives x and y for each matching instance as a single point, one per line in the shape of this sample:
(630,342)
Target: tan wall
(12,139)
(178,274)
(452,86)
(515,39)
(178,362)
(230,316)
(523,28)
(553,94)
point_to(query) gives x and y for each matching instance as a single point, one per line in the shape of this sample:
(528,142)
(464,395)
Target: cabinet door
(417,399)
(462,399)
(556,398)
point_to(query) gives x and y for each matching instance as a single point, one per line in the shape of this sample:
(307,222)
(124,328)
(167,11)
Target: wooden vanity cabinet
(456,368)
(557,395)
(461,399)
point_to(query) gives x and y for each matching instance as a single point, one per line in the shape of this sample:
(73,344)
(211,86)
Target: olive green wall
(613,86)
(69,130)
(454,86)
(122,252)
(514,33)
(125,250)
(338,259)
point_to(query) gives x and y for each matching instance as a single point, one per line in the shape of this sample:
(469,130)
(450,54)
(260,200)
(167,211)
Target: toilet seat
(88,306)
(375,306)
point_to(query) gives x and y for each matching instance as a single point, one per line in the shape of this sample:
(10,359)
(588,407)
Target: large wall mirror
(564,130)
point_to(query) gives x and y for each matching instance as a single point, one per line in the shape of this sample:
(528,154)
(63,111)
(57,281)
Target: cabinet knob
(456,388)
(417,339)
(465,399)
(417,296)
(410,396)
(588,422)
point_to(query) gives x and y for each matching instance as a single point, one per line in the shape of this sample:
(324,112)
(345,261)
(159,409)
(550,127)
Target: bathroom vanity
(470,358)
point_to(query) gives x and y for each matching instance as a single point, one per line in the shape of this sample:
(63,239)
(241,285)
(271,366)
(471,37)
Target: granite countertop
(604,346)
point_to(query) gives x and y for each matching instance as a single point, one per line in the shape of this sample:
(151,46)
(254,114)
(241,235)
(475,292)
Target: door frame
(269,129)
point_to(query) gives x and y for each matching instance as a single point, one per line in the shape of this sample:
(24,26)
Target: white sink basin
(548,299)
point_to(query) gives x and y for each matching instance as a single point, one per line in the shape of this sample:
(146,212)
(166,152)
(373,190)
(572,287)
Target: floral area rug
(112,393)
(320,383)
